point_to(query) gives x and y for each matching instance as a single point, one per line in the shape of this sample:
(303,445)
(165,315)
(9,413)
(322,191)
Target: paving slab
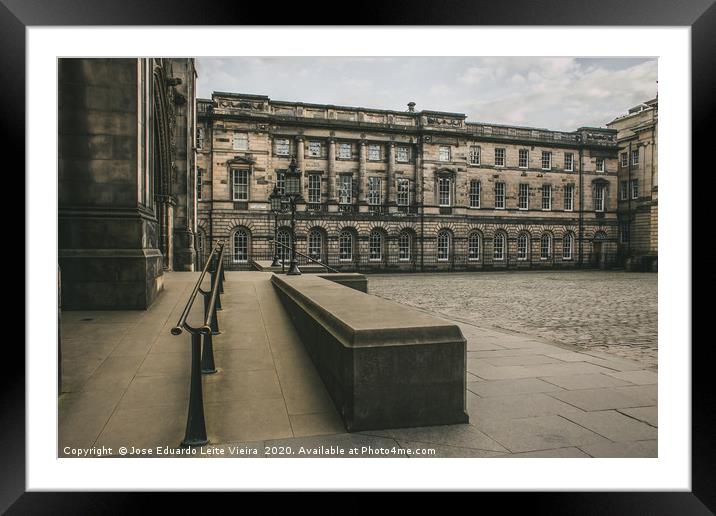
(515,406)
(607,398)
(511,387)
(613,425)
(640,377)
(462,436)
(538,433)
(634,449)
(585,381)
(649,415)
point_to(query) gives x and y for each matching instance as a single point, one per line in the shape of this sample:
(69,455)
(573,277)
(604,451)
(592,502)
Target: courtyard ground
(126,378)
(610,311)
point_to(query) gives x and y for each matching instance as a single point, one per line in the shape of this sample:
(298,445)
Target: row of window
(624,158)
(375,152)
(240,191)
(626,186)
(376,245)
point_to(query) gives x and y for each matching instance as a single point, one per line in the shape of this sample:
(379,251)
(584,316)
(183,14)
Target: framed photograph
(281,251)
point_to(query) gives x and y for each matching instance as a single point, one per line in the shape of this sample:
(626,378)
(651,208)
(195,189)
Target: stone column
(331,188)
(360,194)
(390,176)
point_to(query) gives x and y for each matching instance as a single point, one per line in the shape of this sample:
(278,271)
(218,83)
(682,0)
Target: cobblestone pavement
(613,312)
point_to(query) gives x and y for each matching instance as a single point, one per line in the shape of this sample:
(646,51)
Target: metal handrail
(202,353)
(309,258)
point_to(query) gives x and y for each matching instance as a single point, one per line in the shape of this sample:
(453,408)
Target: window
(599,197)
(240,184)
(403,192)
(474,155)
(623,159)
(635,157)
(404,245)
(524,160)
(546,197)
(315,149)
(314,188)
(444,153)
(499,246)
(443,246)
(499,195)
(402,154)
(283,237)
(623,190)
(499,157)
(546,160)
(474,193)
(374,152)
(345,246)
(624,235)
(315,244)
(568,197)
(345,189)
(568,161)
(600,164)
(241,141)
(473,246)
(199,138)
(375,247)
(374,190)
(524,197)
(241,246)
(282,146)
(567,246)
(444,191)
(545,248)
(344,151)
(634,188)
(523,241)
(281,181)
(199,179)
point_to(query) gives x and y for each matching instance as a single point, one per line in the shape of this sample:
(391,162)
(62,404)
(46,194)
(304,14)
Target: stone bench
(384,365)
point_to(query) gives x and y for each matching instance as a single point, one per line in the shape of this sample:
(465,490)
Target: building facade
(126,190)
(638,205)
(404,190)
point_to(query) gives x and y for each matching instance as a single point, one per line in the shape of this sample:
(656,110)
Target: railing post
(195,434)
(207,355)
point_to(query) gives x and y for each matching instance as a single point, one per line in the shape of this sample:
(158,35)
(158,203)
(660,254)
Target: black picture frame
(700,15)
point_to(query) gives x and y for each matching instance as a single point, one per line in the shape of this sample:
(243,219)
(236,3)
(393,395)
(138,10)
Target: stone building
(127,207)
(638,205)
(404,190)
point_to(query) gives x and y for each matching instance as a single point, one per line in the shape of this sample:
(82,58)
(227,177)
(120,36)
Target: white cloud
(559,93)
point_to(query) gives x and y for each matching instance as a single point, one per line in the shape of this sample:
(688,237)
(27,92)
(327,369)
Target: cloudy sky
(559,93)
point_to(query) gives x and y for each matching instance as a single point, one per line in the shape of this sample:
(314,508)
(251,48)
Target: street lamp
(276,208)
(292,193)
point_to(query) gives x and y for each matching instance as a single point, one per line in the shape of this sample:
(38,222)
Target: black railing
(306,259)
(202,354)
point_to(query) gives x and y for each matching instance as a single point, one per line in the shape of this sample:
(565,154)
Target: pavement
(126,380)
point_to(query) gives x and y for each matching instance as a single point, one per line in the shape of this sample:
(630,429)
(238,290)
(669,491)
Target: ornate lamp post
(275,200)
(292,193)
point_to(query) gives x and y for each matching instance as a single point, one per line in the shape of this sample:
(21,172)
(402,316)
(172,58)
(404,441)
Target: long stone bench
(384,365)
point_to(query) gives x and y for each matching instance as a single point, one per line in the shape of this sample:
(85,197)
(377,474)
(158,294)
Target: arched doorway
(598,249)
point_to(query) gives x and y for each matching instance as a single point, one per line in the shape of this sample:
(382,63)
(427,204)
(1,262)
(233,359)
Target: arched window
(473,246)
(545,248)
(284,251)
(567,246)
(315,244)
(523,245)
(240,245)
(404,246)
(443,245)
(345,246)
(375,246)
(499,246)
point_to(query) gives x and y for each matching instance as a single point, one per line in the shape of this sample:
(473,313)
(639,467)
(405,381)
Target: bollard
(195,434)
